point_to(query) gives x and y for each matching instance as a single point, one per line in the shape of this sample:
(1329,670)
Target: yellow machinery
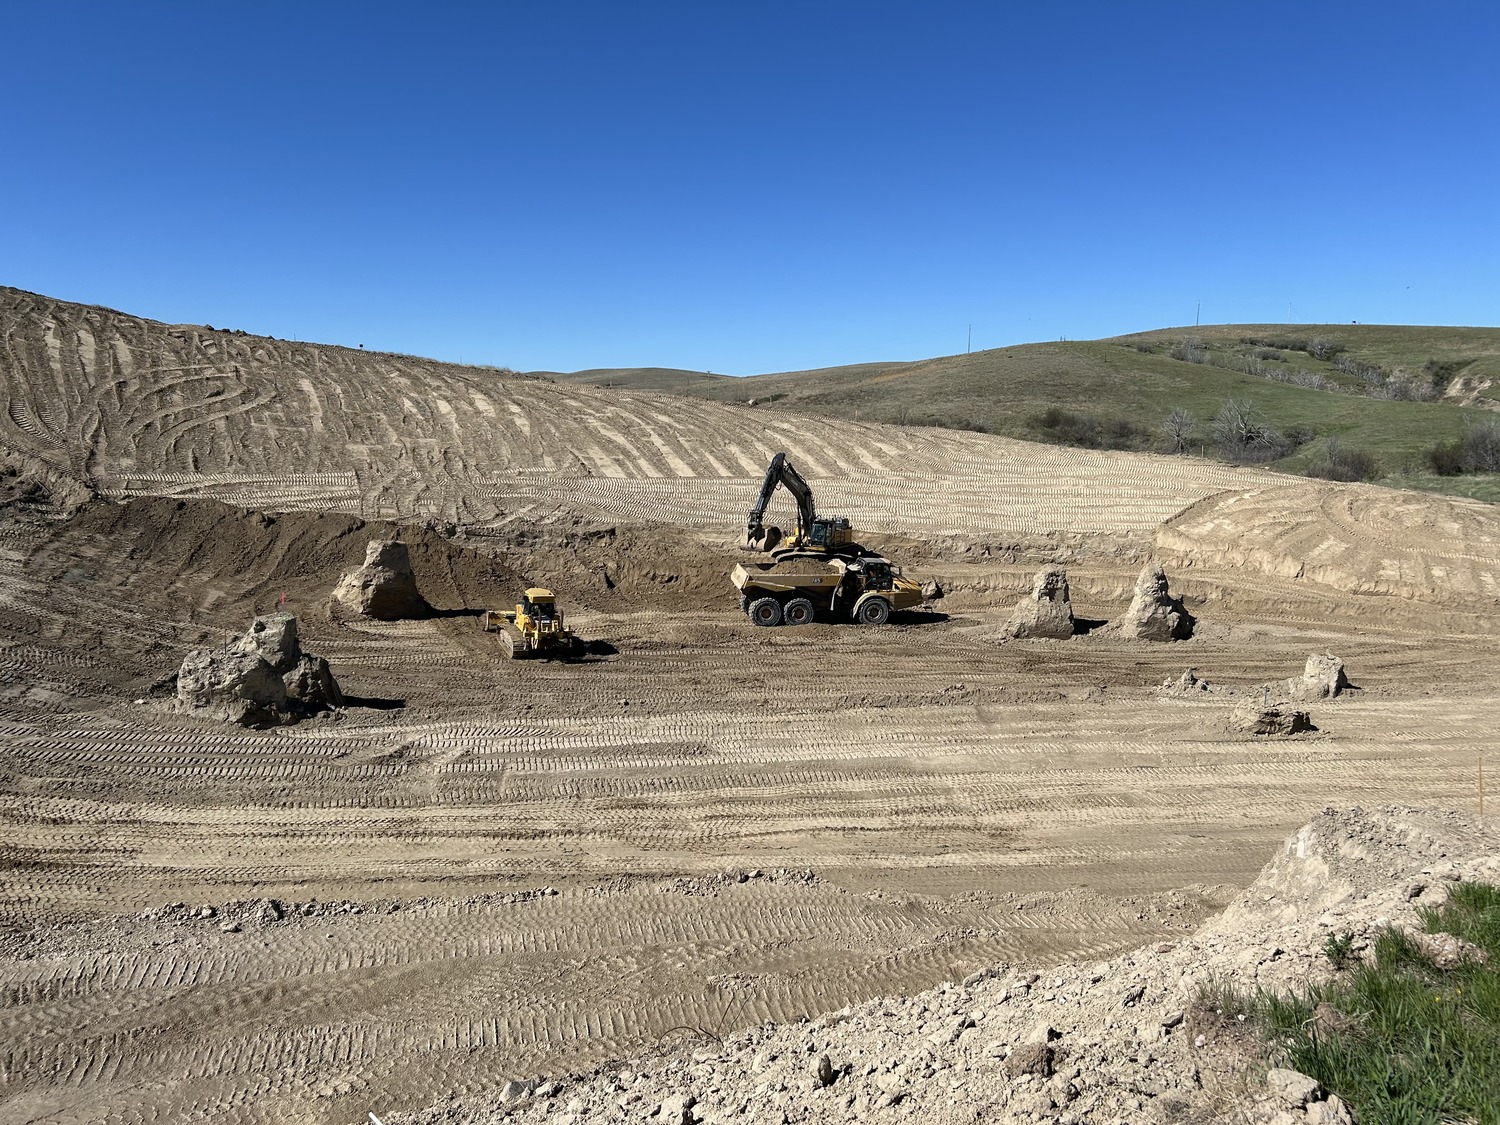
(816,536)
(864,590)
(534,628)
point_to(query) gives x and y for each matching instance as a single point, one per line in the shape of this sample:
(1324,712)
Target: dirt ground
(482,869)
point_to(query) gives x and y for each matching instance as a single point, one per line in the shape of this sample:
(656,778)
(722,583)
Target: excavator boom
(781,472)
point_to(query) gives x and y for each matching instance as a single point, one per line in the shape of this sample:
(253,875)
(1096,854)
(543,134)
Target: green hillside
(1391,392)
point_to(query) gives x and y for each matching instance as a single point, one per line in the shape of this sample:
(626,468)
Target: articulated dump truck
(864,590)
(818,569)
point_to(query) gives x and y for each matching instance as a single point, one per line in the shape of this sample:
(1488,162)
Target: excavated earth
(481,870)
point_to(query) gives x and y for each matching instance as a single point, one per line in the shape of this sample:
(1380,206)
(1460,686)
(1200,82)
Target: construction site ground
(483,869)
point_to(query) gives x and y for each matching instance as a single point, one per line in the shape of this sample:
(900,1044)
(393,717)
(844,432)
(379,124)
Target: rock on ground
(233,685)
(1154,614)
(384,587)
(1253,719)
(263,679)
(1047,610)
(1141,1039)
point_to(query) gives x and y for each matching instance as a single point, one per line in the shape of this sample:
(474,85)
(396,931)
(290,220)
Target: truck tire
(798,611)
(765,611)
(872,611)
(744,603)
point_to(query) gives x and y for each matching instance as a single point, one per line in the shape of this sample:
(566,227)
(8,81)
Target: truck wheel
(798,611)
(875,611)
(765,611)
(744,603)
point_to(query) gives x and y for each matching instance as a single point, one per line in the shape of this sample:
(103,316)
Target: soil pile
(264,679)
(384,587)
(1322,678)
(1047,612)
(1253,719)
(1154,614)
(1134,1039)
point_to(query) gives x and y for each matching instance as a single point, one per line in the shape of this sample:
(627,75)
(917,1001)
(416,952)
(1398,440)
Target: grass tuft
(1400,1039)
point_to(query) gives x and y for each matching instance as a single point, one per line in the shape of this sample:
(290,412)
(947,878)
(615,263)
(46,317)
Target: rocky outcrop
(263,679)
(1047,610)
(384,587)
(1154,614)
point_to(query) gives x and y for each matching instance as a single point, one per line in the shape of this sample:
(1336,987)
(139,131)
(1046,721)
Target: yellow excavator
(534,628)
(816,536)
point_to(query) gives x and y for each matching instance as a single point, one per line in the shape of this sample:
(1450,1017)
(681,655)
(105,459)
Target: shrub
(1190,351)
(1339,948)
(1066,428)
(1243,438)
(1321,347)
(1177,431)
(1478,451)
(1446,458)
(1343,464)
(1481,446)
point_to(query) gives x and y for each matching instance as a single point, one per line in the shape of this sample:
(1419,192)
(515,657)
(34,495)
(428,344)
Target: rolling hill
(1131,384)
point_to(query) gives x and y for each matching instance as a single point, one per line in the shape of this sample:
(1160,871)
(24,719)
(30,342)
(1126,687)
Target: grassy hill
(1362,385)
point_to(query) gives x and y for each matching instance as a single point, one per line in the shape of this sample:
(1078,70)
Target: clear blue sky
(751,187)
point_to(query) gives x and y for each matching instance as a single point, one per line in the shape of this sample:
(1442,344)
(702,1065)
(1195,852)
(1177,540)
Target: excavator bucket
(765,541)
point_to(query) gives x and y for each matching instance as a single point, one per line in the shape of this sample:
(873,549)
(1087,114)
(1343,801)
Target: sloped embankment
(1122,1040)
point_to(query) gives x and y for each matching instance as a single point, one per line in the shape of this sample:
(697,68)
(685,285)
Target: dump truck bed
(784,578)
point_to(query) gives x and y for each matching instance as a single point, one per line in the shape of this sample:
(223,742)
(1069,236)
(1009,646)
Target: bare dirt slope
(1132,1039)
(905,805)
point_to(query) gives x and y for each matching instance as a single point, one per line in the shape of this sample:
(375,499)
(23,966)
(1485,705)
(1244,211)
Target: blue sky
(751,187)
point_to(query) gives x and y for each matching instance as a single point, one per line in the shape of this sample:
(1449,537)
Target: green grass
(1419,1044)
(1126,389)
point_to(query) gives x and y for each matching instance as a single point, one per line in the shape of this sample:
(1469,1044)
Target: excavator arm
(781,472)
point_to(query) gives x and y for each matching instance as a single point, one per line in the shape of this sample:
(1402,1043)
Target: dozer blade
(508,643)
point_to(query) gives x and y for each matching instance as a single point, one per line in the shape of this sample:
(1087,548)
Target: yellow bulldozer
(534,628)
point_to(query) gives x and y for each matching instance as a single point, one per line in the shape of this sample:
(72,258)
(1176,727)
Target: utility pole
(1197,314)
(968,347)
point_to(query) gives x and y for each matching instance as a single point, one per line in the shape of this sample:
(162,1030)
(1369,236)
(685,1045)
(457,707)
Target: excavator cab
(826,534)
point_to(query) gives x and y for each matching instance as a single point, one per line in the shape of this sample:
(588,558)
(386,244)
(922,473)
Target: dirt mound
(263,680)
(219,562)
(1154,614)
(1251,718)
(1357,539)
(383,587)
(1047,612)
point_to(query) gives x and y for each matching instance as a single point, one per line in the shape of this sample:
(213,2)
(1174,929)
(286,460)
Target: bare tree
(1177,431)
(1240,434)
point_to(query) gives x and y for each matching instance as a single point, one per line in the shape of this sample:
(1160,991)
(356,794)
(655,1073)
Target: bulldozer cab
(537,605)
